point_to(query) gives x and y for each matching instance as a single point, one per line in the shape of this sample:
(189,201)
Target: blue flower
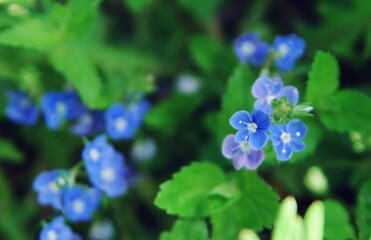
(111,176)
(288,138)
(80,203)
(249,49)
(138,110)
(58,106)
(287,50)
(252,128)
(50,185)
(266,89)
(241,153)
(20,108)
(88,122)
(120,122)
(102,230)
(57,230)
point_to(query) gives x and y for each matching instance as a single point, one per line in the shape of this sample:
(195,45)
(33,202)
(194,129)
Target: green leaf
(137,5)
(186,229)
(363,211)
(195,191)
(337,222)
(201,9)
(237,97)
(285,224)
(78,69)
(350,111)
(323,78)
(33,33)
(314,221)
(9,152)
(255,209)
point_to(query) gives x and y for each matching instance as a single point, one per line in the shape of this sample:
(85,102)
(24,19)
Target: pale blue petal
(239,161)
(259,89)
(297,129)
(242,135)
(275,86)
(240,119)
(275,130)
(258,140)
(297,146)
(254,159)
(261,120)
(230,147)
(284,152)
(291,93)
(263,106)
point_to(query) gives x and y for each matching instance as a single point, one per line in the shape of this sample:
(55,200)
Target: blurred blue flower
(50,185)
(120,122)
(80,203)
(111,176)
(144,149)
(102,230)
(58,106)
(241,153)
(288,138)
(57,230)
(287,50)
(266,90)
(96,151)
(138,110)
(249,49)
(20,108)
(252,128)
(88,122)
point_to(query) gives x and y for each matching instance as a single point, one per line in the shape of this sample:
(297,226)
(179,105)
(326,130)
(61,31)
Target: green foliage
(337,225)
(364,211)
(314,221)
(185,229)
(137,5)
(9,152)
(196,191)
(201,9)
(255,209)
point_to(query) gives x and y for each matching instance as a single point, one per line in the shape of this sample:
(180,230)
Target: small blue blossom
(138,110)
(80,203)
(120,122)
(20,108)
(88,122)
(143,150)
(249,49)
(102,230)
(287,50)
(96,151)
(58,106)
(265,90)
(252,128)
(111,176)
(57,230)
(288,138)
(241,153)
(50,185)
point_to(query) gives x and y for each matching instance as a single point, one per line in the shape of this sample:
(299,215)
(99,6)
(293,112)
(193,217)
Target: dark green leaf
(201,9)
(255,209)
(187,229)
(137,5)
(9,152)
(364,211)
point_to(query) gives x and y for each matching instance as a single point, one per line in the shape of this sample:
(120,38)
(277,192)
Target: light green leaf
(187,229)
(255,209)
(314,221)
(9,152)
(284,226)
(363,211)
(78,69)
(323,78)
(137,5)
(337,225)
(195,191)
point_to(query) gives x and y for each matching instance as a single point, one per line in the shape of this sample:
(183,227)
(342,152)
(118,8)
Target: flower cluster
(107,173)
(285,50)
(119,121)
(274,119)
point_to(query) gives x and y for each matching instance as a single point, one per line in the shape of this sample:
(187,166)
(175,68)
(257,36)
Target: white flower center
(94,154)
(121,124)
(52,186)
(52,235)
(283,50)
(252,127)
(187,84)
(61,107)
(270,98)
(107,174)
(78,206)
(286,138)
(245,146)
(248,48)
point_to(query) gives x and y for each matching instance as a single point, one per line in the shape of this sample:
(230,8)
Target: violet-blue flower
(80,203)
(120,122)
(252,128)
(57,106)
(288,138)
(50,185)
(57,229)
(265,90)
(20,108)
(88,122)
(241,153)
(249,49)
(288,49)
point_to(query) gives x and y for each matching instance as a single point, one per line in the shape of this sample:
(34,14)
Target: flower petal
(284,151)
(261,120)
(242,136)
(239,161)
(230,147)
(240,119)
(264,106)
(297,146)
(258,88)
(291,93)
(254,159)
(258,140)
(297,129)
